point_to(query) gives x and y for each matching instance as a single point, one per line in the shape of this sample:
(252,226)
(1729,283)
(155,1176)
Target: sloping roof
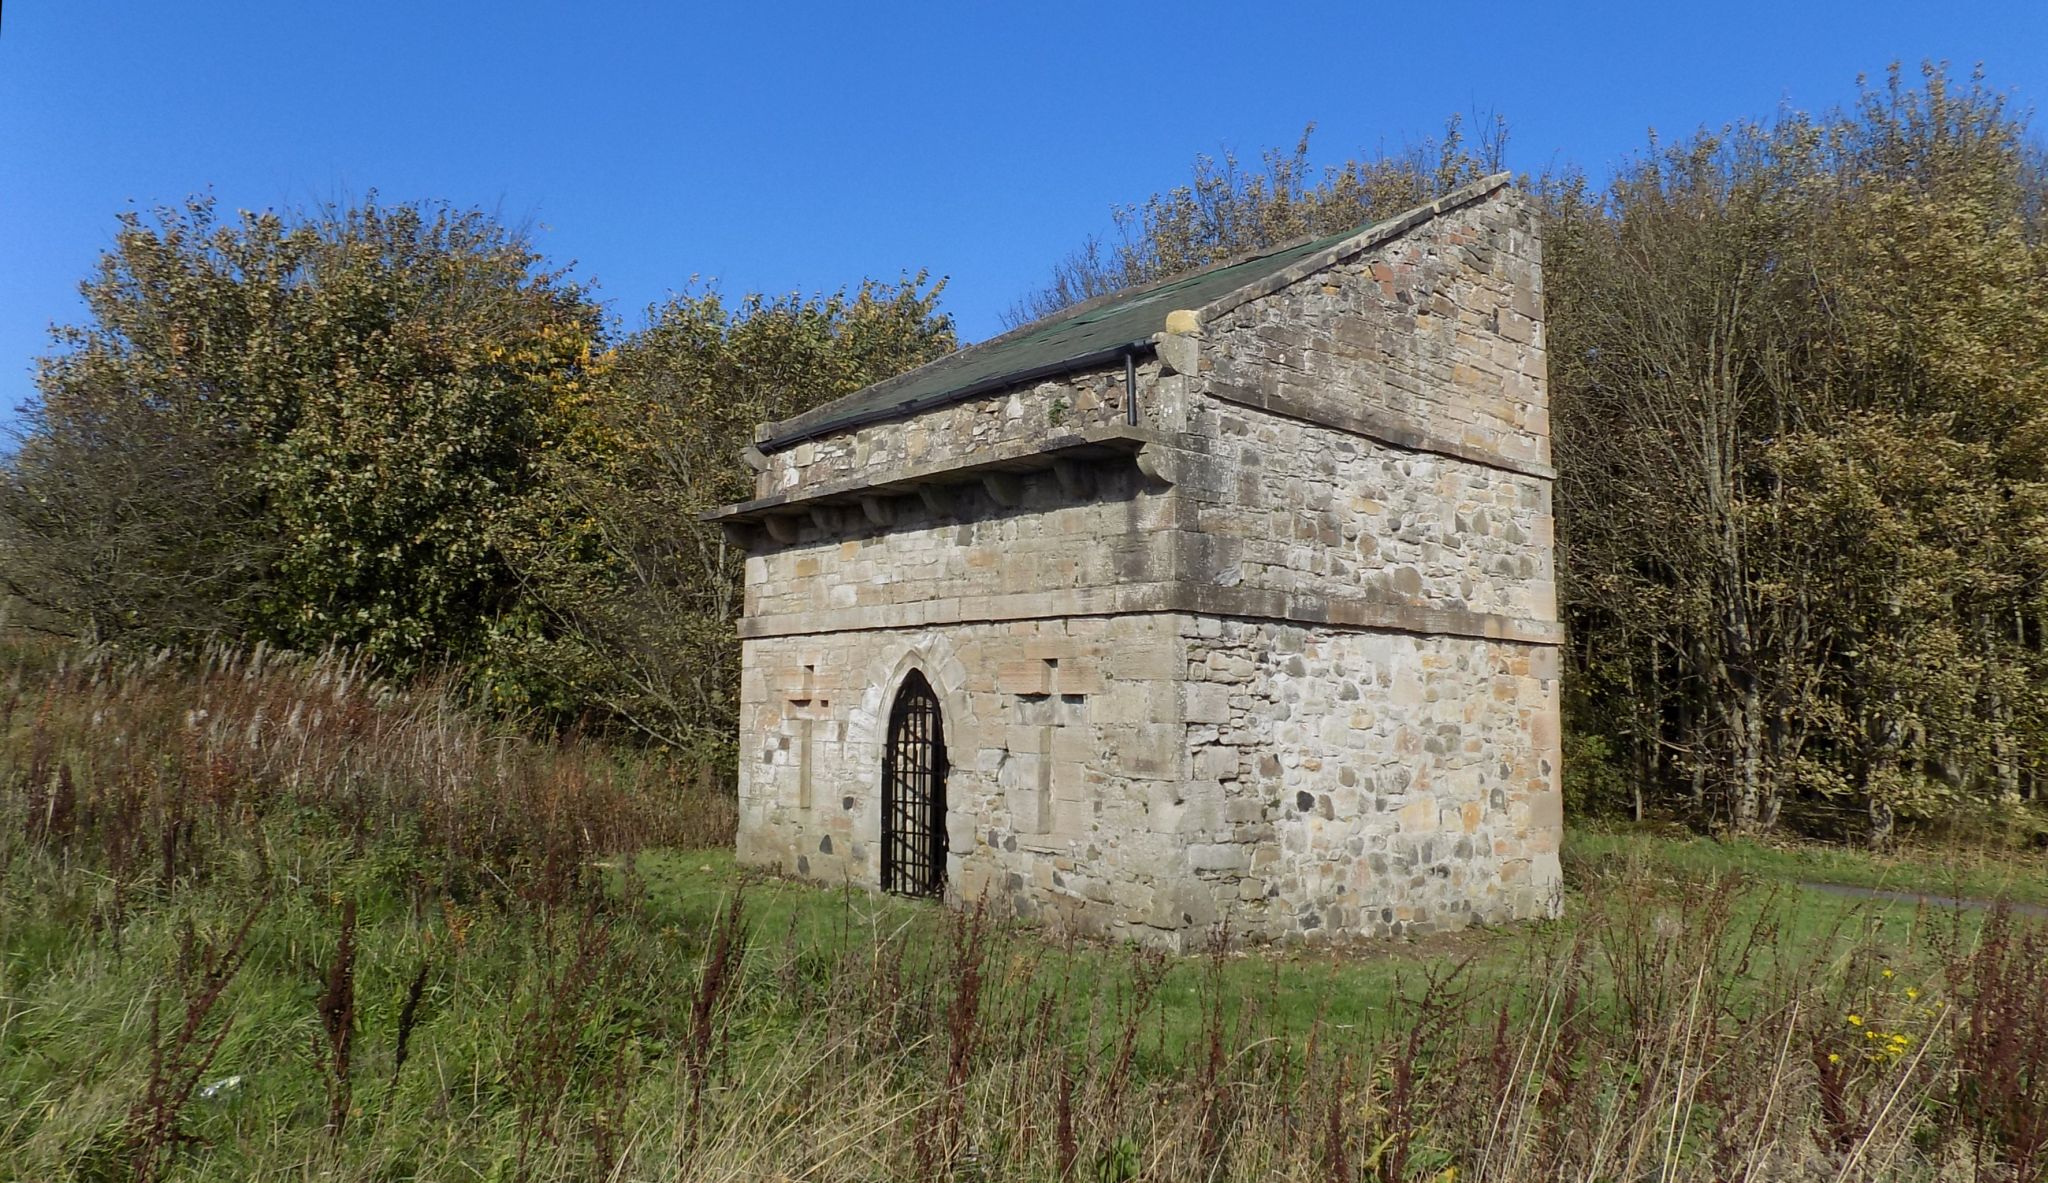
(1099,331)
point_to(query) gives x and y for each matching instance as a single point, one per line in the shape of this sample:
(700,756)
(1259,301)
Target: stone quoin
(1223,605)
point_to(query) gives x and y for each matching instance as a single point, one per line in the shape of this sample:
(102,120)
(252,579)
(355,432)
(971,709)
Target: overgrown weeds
(179,1058)
(337,1007)
(386,942)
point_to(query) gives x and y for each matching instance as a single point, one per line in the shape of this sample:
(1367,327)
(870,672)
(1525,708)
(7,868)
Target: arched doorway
(914,792)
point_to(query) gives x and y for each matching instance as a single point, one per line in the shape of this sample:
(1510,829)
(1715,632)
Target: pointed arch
(914,768)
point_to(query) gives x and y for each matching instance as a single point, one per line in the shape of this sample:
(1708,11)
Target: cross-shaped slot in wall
(809,712)
(1032,765)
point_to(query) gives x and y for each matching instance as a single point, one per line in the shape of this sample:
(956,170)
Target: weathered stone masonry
(1253,625)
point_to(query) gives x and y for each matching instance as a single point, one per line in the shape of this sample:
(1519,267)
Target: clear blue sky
(785,146)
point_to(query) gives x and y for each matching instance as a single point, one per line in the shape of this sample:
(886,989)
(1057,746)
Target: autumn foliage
(1799,405)
(1799,385)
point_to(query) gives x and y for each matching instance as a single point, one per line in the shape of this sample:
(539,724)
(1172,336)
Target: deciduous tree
(294,427)
(630,604)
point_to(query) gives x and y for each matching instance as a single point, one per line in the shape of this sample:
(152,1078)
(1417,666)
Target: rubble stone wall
(1379,433)
(1379,783)
(961,429)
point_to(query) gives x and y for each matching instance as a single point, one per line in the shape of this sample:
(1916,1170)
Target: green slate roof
(1093,333)
(1097,330)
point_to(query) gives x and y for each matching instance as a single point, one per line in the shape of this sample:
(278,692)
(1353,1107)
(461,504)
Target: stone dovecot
(1223,605)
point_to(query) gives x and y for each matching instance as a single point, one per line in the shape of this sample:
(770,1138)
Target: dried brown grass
(423,941)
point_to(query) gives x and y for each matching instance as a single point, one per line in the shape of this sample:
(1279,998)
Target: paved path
(2019,908)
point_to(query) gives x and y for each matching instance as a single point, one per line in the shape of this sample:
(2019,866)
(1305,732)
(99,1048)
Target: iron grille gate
(914,793)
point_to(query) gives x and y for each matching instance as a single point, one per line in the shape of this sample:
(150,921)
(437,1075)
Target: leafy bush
(293,429)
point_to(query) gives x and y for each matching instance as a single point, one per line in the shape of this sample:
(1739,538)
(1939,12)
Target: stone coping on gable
(1357,244)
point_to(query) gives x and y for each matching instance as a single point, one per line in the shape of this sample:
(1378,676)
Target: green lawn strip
(1287,990)
(1965,872)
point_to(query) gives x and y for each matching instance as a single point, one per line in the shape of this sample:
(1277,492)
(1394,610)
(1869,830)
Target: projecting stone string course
(1226,604)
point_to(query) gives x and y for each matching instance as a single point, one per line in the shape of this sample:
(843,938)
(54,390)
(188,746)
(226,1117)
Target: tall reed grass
(261,916)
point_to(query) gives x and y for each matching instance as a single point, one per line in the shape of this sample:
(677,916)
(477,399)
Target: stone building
(1222,605)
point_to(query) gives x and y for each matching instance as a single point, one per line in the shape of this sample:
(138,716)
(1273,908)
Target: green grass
(73,1017)
(572,1025)
(1968,872)
(1292,988)
(1610,874)
(611,1026)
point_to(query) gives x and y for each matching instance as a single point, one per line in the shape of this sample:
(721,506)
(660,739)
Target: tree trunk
(1882,824)
(1745,728)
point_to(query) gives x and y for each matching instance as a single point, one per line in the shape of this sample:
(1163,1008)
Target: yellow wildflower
(1855,1020)
(1911,994)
